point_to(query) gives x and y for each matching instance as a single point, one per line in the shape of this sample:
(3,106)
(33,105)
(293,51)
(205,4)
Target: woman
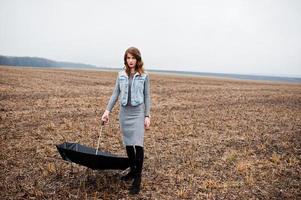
(132,85)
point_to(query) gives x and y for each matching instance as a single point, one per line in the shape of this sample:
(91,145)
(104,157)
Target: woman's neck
(132,71)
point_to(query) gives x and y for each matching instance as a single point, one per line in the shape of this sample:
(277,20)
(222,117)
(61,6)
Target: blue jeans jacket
(140,92)
(137,88)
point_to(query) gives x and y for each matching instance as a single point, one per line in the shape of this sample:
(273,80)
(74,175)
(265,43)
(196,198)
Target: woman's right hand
(105,117)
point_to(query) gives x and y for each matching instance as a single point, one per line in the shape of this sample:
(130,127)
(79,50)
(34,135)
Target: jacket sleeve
(147,99)
(114,96)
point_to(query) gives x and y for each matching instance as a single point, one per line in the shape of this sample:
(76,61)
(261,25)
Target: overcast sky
(233,36)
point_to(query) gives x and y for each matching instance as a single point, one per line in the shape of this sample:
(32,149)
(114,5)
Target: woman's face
(131,60)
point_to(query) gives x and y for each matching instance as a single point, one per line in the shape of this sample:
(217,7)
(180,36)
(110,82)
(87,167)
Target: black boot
(135,188)
(131,155)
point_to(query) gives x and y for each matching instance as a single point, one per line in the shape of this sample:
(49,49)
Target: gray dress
(131,118)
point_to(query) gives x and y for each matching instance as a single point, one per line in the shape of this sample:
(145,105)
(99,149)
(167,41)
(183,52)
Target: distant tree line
(38,62)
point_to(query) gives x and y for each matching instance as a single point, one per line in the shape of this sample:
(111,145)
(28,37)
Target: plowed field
(209,138)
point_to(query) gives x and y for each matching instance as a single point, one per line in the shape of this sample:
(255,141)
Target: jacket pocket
(122,83)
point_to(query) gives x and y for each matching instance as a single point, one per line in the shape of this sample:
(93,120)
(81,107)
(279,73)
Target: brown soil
(209,138)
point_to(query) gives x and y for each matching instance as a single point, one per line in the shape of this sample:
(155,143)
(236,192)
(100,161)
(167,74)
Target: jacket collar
(123,73)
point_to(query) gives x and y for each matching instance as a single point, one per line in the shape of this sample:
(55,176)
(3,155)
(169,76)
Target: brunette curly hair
(139,65)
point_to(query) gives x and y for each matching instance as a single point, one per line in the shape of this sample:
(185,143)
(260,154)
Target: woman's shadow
(85,182)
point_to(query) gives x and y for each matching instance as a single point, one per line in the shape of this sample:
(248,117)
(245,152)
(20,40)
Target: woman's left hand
(146,122)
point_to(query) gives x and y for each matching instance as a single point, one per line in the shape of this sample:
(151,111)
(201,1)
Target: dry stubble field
(209,138)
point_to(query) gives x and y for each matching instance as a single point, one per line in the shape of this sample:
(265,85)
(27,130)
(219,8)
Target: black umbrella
(92,158)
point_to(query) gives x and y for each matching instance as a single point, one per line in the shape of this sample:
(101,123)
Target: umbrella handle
(102,125)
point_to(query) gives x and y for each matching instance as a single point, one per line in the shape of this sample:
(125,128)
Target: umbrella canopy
(92,158)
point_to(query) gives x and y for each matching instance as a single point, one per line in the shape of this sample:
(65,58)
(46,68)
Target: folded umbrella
(90,157)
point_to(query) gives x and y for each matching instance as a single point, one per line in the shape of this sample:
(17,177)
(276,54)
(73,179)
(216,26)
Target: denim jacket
(137,88)
(139,91)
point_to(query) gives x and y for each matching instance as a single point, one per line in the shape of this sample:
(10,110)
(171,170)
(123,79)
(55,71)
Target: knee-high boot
(131,155)
(135,188)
